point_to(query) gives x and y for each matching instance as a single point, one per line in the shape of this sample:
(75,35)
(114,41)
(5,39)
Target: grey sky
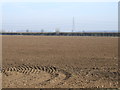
(89,16)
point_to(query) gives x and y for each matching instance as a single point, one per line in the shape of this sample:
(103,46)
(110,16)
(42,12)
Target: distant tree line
(57,33)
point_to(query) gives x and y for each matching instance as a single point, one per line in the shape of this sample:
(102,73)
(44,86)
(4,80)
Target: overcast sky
(89,16)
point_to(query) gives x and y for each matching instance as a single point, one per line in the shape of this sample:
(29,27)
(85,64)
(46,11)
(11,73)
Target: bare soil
(59,62)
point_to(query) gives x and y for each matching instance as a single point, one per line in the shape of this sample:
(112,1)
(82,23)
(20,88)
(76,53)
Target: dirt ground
(59,62)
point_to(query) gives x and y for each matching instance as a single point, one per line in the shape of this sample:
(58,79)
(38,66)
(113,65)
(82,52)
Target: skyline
(89,16)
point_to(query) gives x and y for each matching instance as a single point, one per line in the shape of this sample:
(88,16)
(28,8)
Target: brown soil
(59,62)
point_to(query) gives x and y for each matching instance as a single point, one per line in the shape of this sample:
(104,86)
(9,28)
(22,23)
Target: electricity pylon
(73,27)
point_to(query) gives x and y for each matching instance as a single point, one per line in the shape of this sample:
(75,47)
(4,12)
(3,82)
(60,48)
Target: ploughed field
(59,62)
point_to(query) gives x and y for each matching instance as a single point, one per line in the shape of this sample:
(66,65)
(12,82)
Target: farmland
(59,61)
